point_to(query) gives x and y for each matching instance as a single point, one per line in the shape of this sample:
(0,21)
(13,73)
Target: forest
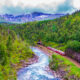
(12,50)
(61,33)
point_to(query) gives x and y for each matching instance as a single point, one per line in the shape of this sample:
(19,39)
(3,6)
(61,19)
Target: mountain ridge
(22,18)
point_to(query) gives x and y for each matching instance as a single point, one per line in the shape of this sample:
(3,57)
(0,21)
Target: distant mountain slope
(35,16)
(61,30)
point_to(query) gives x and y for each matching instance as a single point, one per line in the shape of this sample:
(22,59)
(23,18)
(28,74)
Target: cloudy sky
(46,6)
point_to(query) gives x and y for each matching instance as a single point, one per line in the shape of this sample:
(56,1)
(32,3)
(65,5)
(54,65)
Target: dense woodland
(12,50)
(62,33)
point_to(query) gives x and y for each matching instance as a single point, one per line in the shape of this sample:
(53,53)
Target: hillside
(12,50)
(56,33)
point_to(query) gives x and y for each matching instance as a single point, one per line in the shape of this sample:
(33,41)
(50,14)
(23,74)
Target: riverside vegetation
(12,50)
(62,33)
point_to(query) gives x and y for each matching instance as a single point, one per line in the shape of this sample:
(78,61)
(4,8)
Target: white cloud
(30,3)
(43,5)
(76,4)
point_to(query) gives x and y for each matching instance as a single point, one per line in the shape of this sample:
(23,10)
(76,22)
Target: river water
(37,70)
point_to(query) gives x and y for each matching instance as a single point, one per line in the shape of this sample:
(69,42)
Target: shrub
(3,54)
(74,45)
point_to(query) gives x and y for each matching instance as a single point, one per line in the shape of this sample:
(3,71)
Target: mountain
(35,16)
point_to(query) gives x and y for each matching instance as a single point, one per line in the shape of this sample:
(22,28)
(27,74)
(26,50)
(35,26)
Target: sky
(45,6)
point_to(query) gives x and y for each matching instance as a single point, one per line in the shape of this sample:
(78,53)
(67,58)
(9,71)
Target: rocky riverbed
(24,63)
(38,70)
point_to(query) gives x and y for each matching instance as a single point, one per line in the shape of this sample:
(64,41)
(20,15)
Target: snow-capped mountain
(35,16)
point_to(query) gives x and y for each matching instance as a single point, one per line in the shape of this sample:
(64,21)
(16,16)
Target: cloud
(76,4)
(66,7)
(20,6)
(30,3)
(28,6)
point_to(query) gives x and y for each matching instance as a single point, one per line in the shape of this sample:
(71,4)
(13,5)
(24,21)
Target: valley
(62,33)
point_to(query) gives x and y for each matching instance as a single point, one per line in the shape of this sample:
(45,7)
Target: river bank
(24,63)
(34,59)
(39,70)
(62,66)
(48,69)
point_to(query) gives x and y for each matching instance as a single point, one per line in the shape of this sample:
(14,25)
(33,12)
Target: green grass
(60,62)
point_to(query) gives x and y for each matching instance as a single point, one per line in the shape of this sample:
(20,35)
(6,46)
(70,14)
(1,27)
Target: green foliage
(12,50)
(60,30)
(74,45)
(3,54)
(68,22)
(54,28)
(58,62)
(9,42)
(54,66)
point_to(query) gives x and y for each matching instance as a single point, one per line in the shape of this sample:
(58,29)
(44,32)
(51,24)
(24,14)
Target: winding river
(37,71)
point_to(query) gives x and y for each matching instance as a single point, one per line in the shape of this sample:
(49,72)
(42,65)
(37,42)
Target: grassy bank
(64,67)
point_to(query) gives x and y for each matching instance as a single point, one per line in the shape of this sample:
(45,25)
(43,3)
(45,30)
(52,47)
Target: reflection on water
(37,71)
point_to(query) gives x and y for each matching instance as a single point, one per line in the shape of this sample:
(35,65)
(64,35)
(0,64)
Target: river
(37,70)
